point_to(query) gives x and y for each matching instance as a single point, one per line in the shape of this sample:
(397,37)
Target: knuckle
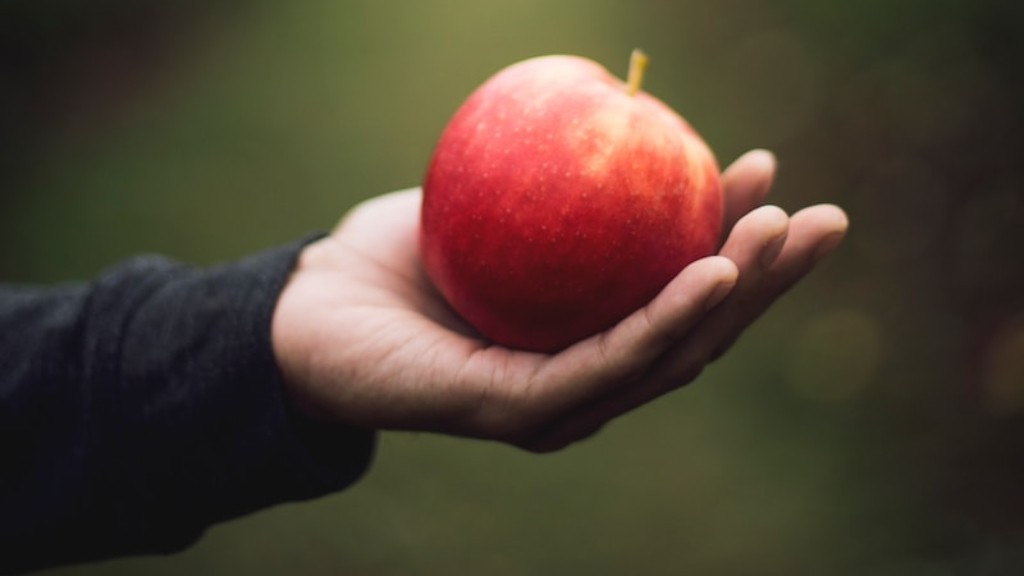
(689,366)
(534,447)
(689,374)
(560,440)
(721,349)
(513,420)
(543,446)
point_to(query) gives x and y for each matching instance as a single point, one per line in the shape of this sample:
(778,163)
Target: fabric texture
(140,408)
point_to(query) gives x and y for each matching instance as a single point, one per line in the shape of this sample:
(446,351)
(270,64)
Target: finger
(396,209)
(746,183)
(588,369)
(813,233)
(755,242)
(754,245)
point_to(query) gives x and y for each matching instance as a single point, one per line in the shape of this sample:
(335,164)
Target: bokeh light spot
(1004,369)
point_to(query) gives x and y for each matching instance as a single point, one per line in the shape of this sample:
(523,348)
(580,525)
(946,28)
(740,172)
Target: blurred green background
(872,423)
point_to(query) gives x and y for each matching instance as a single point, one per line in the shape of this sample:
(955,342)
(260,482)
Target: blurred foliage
(872,423)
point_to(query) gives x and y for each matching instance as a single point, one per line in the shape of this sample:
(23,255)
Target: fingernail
(828,245)
(718,294)
(771,251)
(764,157)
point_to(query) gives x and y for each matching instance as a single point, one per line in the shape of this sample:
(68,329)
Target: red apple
(560,199)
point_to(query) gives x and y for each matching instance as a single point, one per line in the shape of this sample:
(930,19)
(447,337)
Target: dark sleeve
(141,408)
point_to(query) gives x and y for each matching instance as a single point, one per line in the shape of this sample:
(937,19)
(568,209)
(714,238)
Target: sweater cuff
(299,458)
(219,437)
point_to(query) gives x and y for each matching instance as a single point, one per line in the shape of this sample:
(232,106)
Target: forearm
(145,406)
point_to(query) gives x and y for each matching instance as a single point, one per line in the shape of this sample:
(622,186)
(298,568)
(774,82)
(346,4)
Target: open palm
(362,336)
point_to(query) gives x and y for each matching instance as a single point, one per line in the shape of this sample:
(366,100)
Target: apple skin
(556,203)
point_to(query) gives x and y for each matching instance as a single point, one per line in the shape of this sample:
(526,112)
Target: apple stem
(637,64)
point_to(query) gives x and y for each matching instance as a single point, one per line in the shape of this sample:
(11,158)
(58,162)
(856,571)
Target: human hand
(362,337)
